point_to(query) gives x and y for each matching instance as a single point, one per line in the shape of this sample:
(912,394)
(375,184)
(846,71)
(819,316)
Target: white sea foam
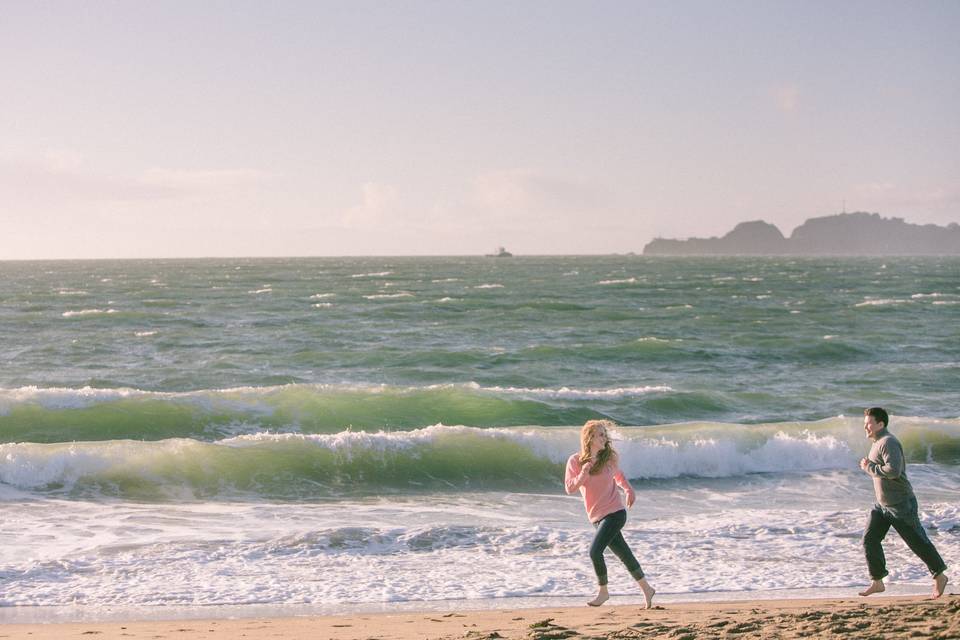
(72,292)
(144,334)
(918,296)
(697,539)
(943,517)
(438,280)
(87,312)
(247,398)
(489,286)
(60,398)
(243,399)
(346,441)
(880,302)
(573,393)
(263,290)
(376,274)
(322,305)
(30,466)
(321,296)
(380,296)
(715,457)
(618,281)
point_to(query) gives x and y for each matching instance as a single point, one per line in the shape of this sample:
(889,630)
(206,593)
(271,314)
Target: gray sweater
(888,468)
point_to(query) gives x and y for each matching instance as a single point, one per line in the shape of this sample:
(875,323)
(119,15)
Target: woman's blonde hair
(607,454)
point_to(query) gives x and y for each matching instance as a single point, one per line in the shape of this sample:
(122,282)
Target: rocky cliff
(842,234)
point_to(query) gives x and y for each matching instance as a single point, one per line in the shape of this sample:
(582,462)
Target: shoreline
(66,614)
(885,617)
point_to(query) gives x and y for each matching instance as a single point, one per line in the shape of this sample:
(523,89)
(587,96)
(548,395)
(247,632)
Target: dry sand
(880,618)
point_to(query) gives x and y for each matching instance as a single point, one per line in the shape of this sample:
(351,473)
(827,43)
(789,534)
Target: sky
(142,129)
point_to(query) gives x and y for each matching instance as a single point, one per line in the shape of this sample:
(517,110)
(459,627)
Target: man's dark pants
(905,519)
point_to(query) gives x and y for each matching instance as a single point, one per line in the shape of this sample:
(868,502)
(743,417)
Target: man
(896,506)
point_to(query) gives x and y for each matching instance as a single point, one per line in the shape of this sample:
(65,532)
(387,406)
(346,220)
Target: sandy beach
(880,618)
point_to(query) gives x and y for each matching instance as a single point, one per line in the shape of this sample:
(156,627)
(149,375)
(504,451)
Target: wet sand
(877,618)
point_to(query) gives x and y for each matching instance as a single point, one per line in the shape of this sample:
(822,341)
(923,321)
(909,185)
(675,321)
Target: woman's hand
(585,468)
(631,498)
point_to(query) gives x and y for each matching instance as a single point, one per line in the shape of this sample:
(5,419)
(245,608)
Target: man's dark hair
(878,414)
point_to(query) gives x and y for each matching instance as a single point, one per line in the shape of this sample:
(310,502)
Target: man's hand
(863,463)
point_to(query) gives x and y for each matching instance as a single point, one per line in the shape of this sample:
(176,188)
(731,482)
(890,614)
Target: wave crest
(438,458)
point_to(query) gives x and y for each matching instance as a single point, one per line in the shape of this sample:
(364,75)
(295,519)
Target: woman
(594,471)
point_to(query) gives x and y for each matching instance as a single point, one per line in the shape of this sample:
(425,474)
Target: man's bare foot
(648,592)
(939,584)
(875,587)
(602,596)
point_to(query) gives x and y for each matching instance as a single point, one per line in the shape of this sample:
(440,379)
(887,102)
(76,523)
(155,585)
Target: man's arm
(890,465)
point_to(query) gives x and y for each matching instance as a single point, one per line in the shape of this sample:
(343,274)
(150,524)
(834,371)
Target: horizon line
(630,254)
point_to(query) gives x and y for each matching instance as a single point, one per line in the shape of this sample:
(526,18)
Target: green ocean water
(206,432)
(402,343)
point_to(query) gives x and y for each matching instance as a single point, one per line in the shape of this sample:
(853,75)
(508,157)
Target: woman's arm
(624,484)
(576,474)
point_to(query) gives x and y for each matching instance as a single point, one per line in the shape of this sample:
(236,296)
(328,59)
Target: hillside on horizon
(858,233)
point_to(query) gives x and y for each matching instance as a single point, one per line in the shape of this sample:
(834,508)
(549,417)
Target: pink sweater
(600,495)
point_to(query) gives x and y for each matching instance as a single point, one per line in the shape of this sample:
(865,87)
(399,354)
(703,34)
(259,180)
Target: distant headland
(857,233)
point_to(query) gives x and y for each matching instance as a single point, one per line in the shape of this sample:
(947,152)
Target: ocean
(335,433)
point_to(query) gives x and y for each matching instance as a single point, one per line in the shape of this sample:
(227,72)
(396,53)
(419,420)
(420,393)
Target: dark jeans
(905,520)
(608,535)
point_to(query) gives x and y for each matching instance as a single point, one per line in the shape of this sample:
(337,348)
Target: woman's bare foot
(648,592)
(875,587)
(602,596)
(939,584)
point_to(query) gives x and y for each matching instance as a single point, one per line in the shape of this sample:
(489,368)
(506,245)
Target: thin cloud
(507,199)
(889,196)
(202,180)
(62,174)
(787,98)
(534,196)
(60,160)
(379,208)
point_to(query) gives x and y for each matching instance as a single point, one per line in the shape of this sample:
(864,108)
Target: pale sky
(177,129)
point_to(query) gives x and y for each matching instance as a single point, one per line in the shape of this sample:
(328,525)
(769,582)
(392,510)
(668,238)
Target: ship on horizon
(501,253)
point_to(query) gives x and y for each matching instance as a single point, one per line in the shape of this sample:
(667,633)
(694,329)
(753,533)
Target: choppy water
(331,431)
